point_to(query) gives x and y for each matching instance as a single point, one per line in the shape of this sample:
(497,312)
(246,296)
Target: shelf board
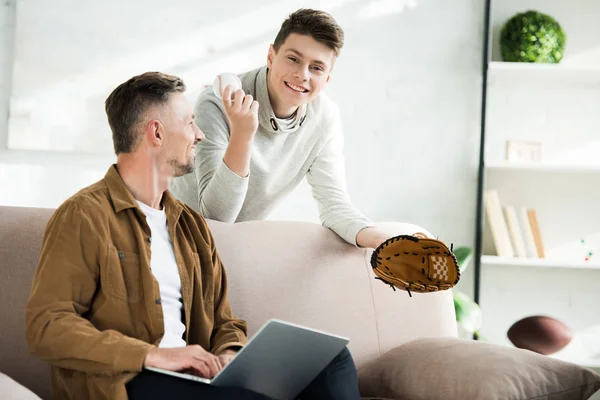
(538,262)
(536,75)
(542,167)
(540,68)
(584,362)
(583,349)
(589,363)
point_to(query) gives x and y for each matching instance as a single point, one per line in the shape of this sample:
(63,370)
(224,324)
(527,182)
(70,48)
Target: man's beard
(180,169)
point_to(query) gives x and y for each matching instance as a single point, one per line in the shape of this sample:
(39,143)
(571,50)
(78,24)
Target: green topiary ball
(532,37)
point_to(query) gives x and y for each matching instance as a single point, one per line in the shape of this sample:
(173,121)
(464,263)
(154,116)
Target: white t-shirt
(290,123)
(164,268)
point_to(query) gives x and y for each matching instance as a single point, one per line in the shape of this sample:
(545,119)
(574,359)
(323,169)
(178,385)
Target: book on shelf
(537,235)
(512,222)
(496,228)
(530,246)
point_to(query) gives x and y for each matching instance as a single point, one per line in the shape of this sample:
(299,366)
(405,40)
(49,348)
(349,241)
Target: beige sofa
(302,272)
(295,271)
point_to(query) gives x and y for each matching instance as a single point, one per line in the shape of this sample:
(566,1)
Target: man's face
(297,72)
(181,135)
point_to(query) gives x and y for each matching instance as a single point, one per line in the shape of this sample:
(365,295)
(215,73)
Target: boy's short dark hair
(318,24)
(128,103)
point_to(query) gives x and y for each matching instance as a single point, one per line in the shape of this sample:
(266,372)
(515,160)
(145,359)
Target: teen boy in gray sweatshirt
(253,156)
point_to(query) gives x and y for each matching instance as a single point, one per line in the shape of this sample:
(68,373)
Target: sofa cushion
(451,368)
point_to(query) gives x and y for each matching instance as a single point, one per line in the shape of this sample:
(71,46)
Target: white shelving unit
(556,105)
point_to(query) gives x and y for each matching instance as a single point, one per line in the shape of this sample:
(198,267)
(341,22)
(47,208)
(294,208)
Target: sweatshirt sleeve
(213,190)
(327,178)
(63,288)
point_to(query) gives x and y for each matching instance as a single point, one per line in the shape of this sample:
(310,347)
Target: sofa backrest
(21,232)
(304,273)
(295,271)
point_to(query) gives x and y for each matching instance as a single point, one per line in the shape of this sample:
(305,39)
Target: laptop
(279,361)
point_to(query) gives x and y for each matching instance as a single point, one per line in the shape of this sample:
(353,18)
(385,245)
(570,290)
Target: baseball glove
(415,263)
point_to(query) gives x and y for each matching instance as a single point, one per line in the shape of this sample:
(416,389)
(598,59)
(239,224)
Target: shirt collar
(122,198)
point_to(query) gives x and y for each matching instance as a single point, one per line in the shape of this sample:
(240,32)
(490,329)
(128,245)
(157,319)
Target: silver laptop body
(279,361)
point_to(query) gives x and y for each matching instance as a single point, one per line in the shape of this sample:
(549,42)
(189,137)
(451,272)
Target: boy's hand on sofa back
(371,237)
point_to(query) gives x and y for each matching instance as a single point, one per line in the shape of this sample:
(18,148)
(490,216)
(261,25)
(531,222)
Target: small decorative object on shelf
(532,37)
(523,151)
(588,250)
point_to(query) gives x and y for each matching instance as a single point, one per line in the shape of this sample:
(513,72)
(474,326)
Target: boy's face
(297,72)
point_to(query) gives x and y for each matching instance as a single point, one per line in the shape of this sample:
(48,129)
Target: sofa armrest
(12,390)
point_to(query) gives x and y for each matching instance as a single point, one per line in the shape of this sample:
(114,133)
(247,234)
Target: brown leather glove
(415,263)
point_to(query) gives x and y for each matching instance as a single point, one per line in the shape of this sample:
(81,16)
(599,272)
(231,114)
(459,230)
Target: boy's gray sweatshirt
(279,162)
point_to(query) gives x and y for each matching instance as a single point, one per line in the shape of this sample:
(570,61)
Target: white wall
(408,85)
(7,10)
(34,178)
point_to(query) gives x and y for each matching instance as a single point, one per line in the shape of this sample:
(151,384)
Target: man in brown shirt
(129,277)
